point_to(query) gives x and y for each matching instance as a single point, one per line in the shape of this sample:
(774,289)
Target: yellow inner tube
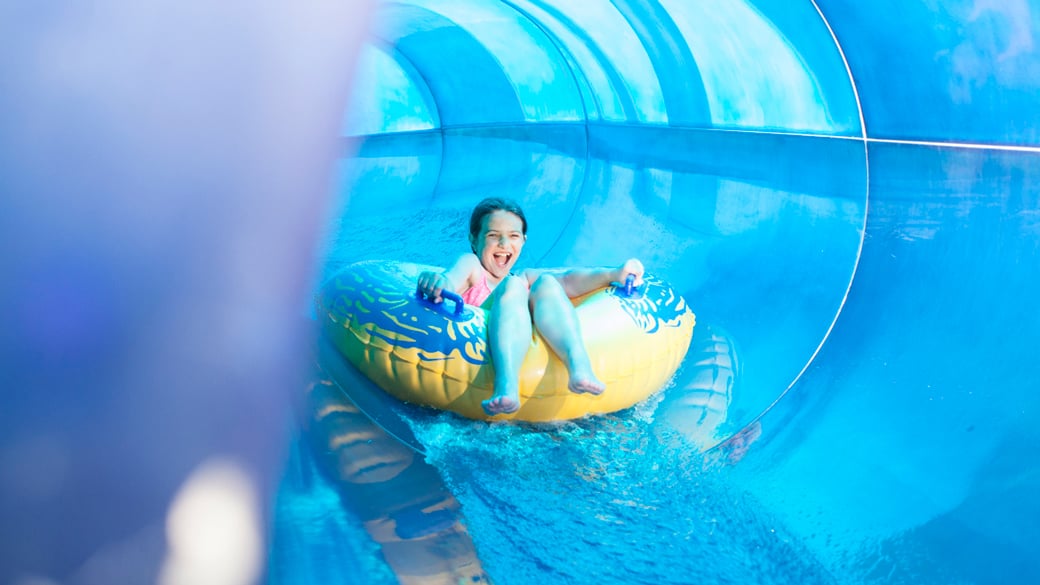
(425,354)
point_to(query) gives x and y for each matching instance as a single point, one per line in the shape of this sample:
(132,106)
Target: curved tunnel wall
(947,71)
(947,96)
(674,63)
(633,109)
(952,71)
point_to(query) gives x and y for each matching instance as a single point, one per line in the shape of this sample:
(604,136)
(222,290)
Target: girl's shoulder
(466,270)
(469,261)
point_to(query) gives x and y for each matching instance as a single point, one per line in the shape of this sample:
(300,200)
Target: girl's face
(499,242)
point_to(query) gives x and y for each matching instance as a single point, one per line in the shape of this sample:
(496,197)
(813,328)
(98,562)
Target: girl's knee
(513,287)
(546,284)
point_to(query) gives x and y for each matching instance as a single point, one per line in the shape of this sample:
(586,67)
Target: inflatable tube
(437,354)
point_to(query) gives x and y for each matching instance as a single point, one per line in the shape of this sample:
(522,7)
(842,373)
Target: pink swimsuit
(476,295)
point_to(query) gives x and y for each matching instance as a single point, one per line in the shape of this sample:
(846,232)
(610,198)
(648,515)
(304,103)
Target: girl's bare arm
(579,281)
(459,277)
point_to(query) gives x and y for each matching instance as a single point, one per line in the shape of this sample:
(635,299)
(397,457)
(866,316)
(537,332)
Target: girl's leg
(556,321)
(509,337)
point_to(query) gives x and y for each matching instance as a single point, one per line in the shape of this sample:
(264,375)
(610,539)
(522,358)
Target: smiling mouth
(502,258)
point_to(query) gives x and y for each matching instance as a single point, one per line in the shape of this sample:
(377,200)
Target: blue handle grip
(460,305)
(629,290)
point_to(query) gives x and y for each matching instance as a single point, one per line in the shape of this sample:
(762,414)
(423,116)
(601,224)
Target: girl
(497,233)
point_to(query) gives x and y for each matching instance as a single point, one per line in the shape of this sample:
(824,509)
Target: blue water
(614,503)
(621,498)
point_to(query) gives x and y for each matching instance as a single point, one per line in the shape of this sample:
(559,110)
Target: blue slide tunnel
(846,193)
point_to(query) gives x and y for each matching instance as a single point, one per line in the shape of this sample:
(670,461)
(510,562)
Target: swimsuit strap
(478,293)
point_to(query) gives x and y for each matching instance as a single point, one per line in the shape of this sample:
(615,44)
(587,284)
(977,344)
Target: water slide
(844,193)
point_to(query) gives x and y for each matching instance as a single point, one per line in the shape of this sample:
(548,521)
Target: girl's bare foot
(584,382)
(502,403)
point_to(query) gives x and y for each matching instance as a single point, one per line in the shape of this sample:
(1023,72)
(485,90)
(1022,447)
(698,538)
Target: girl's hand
(631,266)
(432,284)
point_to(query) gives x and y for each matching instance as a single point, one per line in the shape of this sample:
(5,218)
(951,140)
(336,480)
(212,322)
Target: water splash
(606,500)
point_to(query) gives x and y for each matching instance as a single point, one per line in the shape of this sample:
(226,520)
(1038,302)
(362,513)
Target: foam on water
(606,500)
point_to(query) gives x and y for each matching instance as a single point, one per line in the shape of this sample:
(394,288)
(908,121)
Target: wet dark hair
(486,208)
